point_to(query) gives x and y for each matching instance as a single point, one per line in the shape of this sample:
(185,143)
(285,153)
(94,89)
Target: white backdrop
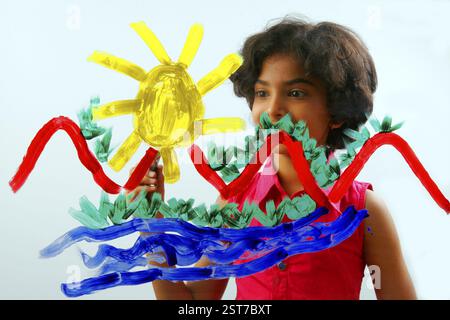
(44,73)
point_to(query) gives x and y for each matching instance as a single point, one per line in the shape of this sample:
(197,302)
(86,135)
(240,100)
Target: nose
(277,108)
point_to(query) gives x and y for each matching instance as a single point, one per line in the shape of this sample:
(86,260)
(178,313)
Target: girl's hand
(153,181)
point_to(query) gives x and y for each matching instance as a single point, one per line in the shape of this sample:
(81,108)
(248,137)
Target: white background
(44,73)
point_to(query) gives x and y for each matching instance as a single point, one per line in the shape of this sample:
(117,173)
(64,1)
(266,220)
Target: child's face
(282,87)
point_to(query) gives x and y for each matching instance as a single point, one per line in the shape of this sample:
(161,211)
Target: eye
(297,93)
(260,93)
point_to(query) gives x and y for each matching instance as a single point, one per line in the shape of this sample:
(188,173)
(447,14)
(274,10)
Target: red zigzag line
(304,174)
(84,154)
(295,150)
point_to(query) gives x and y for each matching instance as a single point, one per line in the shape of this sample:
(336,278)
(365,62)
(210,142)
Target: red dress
(334,273)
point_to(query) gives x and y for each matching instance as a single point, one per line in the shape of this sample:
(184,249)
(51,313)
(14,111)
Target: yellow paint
(168,106)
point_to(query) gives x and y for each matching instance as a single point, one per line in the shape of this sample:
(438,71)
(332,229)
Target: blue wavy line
(288,239)
(173,225)
(184,251)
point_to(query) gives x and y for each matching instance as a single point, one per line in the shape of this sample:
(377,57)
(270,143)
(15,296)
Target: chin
(281,149)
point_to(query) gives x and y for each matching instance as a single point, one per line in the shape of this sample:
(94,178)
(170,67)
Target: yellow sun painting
(168,109)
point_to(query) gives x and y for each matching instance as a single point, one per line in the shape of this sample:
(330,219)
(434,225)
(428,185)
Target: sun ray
(221,125)
(171,167)
(116,108)
(191,45)
(118,64)
(125,152)
(152,41)
(213,79)
(167,101)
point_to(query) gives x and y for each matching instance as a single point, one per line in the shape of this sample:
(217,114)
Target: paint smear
(294,148)
(86,157)
(266,246)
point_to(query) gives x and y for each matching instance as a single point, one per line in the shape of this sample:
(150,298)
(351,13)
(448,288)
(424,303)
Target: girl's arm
(207,289)
(192,290)
(382,249)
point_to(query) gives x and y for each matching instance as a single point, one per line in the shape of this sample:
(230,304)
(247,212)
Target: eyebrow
(290,82)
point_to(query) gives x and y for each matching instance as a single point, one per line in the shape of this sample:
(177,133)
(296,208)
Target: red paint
(371,145)
(86,157)
(238,185)
(305,176)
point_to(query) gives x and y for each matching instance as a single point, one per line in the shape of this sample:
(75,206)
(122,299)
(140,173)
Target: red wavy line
(84,154)
(294,148)
(371,145)
(304,174)
(238,185)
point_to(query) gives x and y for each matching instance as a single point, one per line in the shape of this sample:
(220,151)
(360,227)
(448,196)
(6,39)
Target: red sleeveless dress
(334,273)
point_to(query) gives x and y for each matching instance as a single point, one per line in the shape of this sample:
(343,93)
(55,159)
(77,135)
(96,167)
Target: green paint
(228,216)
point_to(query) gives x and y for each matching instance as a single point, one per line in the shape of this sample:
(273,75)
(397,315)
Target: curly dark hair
(328,51)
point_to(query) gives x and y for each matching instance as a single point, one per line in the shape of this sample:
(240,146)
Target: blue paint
(266,245)
(173,225)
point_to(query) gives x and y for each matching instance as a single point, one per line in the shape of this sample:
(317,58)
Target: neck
(287,175)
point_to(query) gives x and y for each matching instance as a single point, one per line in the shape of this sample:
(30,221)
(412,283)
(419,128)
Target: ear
(336,125)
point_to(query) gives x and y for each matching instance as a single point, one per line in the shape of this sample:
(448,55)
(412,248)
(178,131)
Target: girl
(324,75)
